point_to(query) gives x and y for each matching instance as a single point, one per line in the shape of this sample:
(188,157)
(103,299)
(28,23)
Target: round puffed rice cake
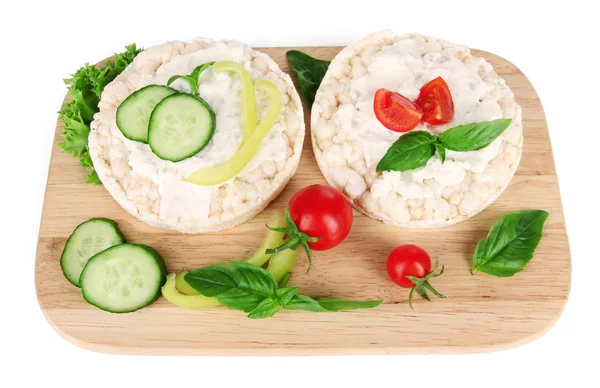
(348,140)
(227,205)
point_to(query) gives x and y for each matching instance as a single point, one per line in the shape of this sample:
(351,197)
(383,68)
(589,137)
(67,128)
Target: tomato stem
(296,239)
(422,284)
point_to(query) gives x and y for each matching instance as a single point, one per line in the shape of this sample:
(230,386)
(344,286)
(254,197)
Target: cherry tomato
(408,260)
(321,211)
(436,101)
(395,111)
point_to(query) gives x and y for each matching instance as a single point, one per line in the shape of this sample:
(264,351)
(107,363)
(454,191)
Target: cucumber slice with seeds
(88,239)
(180,126)
(134,113)
(123,278)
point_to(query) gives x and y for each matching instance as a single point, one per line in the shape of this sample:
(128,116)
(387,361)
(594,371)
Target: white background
(43,42)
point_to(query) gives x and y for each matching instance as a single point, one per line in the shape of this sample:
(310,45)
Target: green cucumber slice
(180,126)
(89,238)
(134,113)
(123,278)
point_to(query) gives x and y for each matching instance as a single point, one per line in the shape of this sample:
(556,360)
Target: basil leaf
(285,280)
(239,286)
(410,151)
(237,299)
(191,79)
(286,294)
(473,136)
(267,308)
(193,84)
(199,69)
(310,72)
(249,288)
(303,302)
(510,243)
(441,151)
(334,305)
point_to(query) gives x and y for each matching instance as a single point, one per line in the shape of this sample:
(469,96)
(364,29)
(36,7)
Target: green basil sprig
(191,79)
(310,72)
(441,151)
(415,148)
(246,287)
(510,243)
(473,136)
(410,151)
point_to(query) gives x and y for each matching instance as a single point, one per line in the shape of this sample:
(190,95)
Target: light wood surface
(482,313)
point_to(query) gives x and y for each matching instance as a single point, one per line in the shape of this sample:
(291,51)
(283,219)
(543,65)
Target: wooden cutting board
(482,313)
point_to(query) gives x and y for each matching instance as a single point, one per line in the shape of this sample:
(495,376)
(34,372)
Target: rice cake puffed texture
(152,189)
(348,140)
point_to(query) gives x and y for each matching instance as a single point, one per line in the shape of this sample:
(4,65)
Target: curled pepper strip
(170,292)
(248,98)
(229,169)
(183,286)
(272,239)
(177,291)
(281,263)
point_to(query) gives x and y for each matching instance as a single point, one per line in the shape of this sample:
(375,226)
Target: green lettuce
(85,87)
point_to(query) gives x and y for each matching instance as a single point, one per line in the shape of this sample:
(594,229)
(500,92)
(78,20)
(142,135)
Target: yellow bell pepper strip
(248,98)
(281,263)
(181,294)
(183,286)
(272,240)
(177,291)
(170,292)
(259,258)
(223,172)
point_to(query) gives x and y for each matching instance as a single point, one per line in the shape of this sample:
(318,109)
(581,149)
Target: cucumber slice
(123,278)
(89,238)
(134,113)
(180,126)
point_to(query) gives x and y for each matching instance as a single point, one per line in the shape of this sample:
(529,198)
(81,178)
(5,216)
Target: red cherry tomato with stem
(319,217)
(409,266)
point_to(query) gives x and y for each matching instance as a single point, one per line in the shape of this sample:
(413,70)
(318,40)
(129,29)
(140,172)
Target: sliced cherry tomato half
(436,101)
(395,111)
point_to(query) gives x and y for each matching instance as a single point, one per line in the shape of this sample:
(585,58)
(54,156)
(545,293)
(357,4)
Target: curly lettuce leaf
(75,133)
(86,162)
(86,86)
